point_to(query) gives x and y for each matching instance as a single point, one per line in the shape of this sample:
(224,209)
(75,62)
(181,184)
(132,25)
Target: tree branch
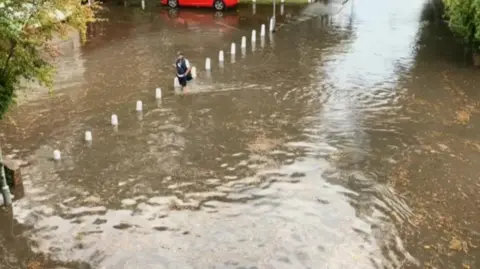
(10,55)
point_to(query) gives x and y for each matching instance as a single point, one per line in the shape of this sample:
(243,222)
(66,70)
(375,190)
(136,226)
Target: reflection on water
(280,159)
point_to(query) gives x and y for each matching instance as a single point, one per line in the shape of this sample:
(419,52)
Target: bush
(464,19)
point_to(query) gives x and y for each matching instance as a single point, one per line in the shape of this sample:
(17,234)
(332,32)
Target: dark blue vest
(181,66)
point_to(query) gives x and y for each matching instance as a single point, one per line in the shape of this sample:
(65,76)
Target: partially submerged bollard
(158,93)
(114,120)
(208,65)
(57,156)
(254,36)
(88,136)
(271,25)
(244,42)
(233,49)
(194,73)
(221,57)
(262,30)
(139,106)
(176,83)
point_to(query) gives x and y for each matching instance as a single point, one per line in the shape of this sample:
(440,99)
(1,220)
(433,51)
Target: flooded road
(347,140)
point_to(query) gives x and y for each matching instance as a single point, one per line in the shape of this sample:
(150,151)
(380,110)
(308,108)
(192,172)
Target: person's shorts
(182,81)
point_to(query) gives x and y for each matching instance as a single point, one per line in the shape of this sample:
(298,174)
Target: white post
(114,120)
(139,106)
(57,155)
(254,36)
(244,42)
(221,57)
(271,28)
(158,93)
(282,9)
(194,73)
(233,49)
(208,65)
(176,83)
(262,30)
(88,136)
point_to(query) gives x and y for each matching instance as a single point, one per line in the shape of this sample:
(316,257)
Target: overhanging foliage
(464,19)
(26,29)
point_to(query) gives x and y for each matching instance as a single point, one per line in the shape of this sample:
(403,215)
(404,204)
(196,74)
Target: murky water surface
(348,139)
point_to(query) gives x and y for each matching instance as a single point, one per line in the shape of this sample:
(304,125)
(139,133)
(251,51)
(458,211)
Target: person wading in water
(183,70)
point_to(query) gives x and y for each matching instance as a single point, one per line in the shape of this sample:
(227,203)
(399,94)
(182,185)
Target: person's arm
(189,68)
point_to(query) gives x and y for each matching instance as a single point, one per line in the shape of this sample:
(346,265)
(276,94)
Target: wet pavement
(348,139)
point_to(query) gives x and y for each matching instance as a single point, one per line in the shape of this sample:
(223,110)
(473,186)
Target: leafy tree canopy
(464,19)
(26,29)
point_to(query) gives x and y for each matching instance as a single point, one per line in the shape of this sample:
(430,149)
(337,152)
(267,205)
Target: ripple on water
(181,195)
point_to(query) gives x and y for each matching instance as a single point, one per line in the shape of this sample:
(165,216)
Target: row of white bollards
(57,155)
(208,65)
(233,48)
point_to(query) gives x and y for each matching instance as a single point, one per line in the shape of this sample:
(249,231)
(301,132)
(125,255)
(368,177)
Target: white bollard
(139,106)
(176,83)
(208,65)
(254,36)
(271,25)
(253,1)
(194,74)
(221,57)
(262,30)
(282,9)
(233,49)
(282,1)
(244,42)
(158,93)
(57,155)
(88,136)
(114,120)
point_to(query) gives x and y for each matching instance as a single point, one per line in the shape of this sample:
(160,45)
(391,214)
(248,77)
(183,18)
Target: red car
(216,4)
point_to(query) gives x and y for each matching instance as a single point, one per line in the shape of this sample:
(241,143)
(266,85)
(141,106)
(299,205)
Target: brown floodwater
(347,139)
